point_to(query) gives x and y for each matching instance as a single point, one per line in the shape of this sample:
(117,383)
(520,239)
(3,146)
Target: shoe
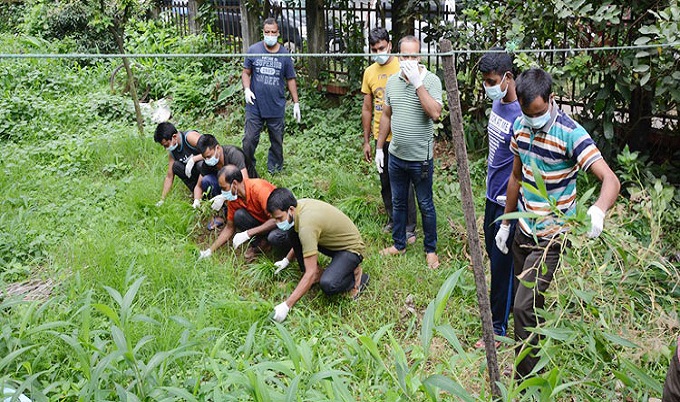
(215,223)
(388,228)
(432,260)
(391,250)
(364,282)
(410,238)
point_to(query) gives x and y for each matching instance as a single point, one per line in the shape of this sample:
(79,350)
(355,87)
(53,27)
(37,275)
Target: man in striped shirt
(549,144)
(413,101)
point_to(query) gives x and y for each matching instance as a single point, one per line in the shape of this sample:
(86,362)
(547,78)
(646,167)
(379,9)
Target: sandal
(364,282)
(215,223)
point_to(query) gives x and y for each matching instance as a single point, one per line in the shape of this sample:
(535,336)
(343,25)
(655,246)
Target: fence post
(192,11)
(456,117)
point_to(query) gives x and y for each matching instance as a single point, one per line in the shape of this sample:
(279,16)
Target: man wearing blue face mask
(373,88)
(499,85)
(184,158)
(264,79)
(546,142)
(216,156)
(246,212)
(315,227)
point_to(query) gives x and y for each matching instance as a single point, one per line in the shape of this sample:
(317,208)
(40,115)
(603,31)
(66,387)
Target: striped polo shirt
(559,149)
(412,128)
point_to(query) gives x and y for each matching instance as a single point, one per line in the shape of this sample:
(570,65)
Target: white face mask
(229,196)
(495,92)
(408,63)
(212,161)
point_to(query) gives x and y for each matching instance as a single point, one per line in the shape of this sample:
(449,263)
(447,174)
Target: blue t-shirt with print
(500,130)
(268,81)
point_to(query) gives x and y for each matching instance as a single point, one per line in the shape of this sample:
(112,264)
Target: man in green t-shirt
(314,226)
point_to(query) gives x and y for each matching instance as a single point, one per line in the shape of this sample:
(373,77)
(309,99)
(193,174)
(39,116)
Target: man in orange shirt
(246,212)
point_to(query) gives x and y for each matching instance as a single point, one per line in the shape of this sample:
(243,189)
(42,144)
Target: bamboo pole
(456,116)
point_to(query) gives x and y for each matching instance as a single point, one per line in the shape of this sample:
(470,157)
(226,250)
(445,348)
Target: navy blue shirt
(184,150)
(268,81)
(500,130)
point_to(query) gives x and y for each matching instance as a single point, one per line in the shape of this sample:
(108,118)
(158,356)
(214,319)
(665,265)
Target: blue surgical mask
(212,161)
(537,122)
(229,196)
(381,58)
(285,225)
(270,40)
(172,147)
(495,92)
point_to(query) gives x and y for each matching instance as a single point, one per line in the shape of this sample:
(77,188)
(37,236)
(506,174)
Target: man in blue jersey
(184,158)
(546,143)
(499,84)
(264,79)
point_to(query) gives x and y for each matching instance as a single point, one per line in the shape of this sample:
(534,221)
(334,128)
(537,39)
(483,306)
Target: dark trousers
(402,174)
(338,276)
(178,169)
(671,388)
(386,193)
(534,263)
(243,220)
(502,274)
(251,138)
(210,186)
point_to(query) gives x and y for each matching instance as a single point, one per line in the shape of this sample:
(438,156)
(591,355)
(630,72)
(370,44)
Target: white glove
(159,203)
(205,254)
(281,265)
(502,238)
(280,312)
(596,221)
(296,112)
(189,167)
(240,238)
(379,159)
(250,96)
(197,203)
(217,202)
(412,72)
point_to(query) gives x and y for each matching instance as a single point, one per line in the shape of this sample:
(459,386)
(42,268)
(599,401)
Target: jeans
(178,169)
(502,275)
(386,193)
(534,263)
(251,138)
(402,174)
(211,186)
(243,220)
(338,276)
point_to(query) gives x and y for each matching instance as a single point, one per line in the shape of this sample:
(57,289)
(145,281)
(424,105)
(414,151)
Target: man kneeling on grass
(314,226)
(246,211)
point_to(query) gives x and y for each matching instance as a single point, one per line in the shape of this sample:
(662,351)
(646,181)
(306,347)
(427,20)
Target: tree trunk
(119,35)
(250,25)
(456,117)
(316,36)
(402,20)
(640,119)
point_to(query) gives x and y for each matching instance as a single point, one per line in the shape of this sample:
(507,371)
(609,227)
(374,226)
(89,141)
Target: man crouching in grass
(314,226)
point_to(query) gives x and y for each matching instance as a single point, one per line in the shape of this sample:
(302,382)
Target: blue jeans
(502,274)
(402,174)
(251,138)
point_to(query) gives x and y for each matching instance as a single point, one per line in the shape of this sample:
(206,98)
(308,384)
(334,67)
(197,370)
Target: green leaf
(107,311)
(561,334)
(645,78)
(449,385)
(615,339)
(289,344)
(427,327)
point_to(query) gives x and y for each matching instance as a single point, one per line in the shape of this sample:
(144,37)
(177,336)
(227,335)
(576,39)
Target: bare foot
(391,251)
(432,260)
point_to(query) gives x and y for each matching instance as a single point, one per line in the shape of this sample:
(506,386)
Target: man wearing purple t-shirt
(264,79)
(499,85)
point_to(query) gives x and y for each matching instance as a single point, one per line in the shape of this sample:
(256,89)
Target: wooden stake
(456,116)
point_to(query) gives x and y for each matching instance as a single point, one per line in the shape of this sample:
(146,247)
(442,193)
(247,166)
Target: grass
(135,315)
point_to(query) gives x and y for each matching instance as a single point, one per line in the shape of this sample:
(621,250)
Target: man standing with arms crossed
(264,79)
(413,102)
(373,88)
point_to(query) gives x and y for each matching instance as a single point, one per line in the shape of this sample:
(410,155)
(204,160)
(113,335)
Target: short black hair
(230,173)
(409,38)
(164,131)
(377,34)
(280,200)
(496,62)
(205,142)
(533,83)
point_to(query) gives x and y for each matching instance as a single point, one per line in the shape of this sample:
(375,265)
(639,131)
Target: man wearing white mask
(548,144)
(373,88)
(246,213)
(264,79)
(499,85)
(413,102)
(315,227)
